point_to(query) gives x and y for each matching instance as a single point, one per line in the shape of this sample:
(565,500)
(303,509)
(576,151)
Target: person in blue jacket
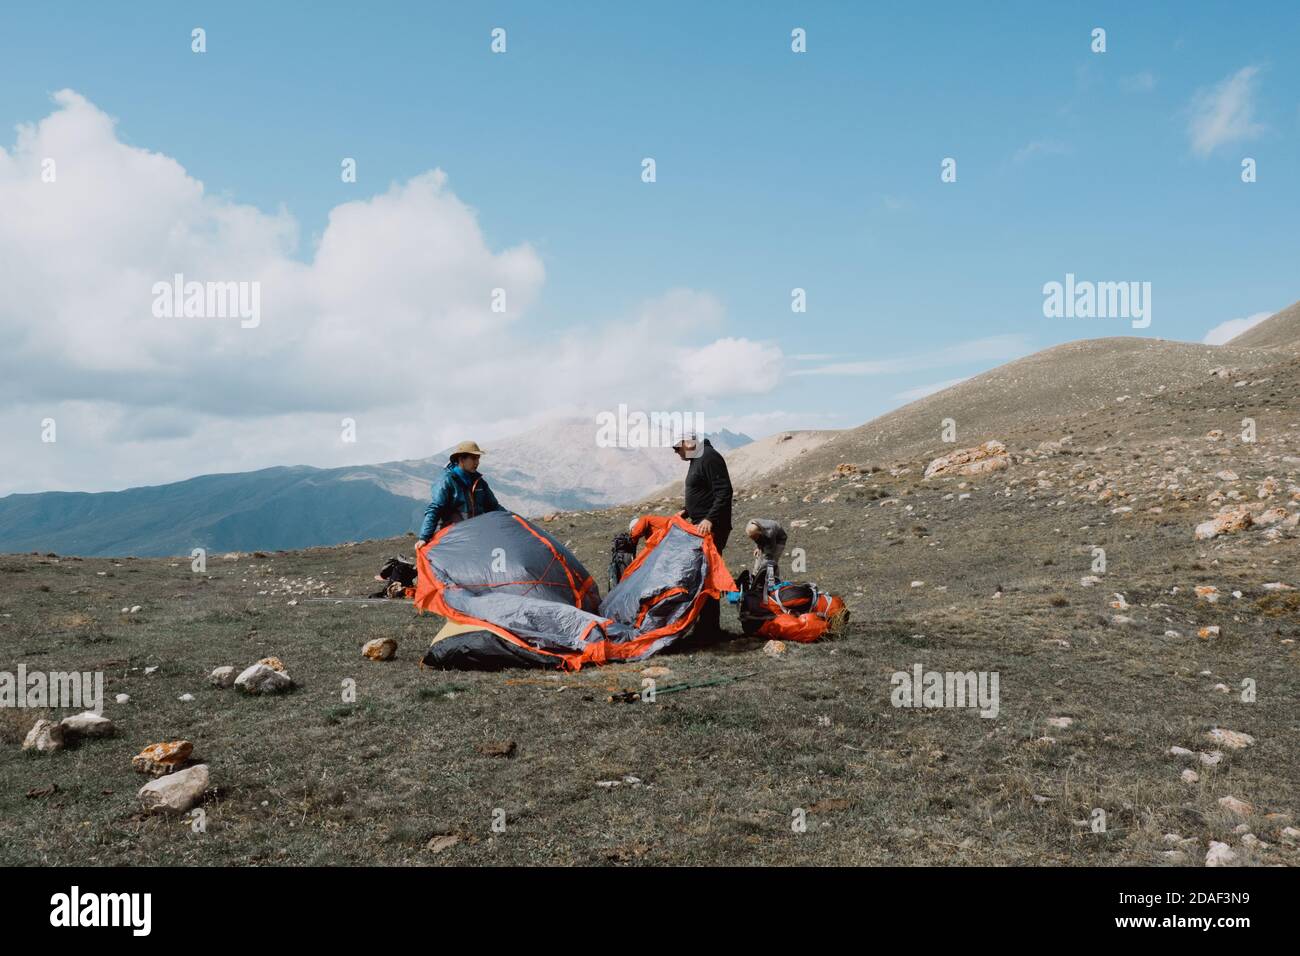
(460,493)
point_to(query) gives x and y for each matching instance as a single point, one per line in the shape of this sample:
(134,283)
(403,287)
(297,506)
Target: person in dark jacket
(460,493)
(708,505)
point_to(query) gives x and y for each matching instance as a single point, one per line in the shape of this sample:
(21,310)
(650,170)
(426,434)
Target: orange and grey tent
(515,596)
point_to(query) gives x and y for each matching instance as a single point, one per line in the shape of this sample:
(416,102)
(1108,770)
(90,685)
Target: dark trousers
(709,623)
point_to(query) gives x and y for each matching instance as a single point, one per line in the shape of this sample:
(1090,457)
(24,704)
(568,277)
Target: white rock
(136,609)
(150,670)
(1190,776)
(223,676)
(87,724)
(1181,752)
(1237,807)
(176,792)
(1061,722)
(186,697)
(45,737)
(1211,759)
(1220,854)
(260,679)
(1232,739)
(122,698)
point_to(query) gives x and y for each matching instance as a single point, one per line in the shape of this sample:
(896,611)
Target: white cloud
(1040,148)
(1225,331)
(729,367)
(1143,82)
(1224,113)
(996,348)
(388,322)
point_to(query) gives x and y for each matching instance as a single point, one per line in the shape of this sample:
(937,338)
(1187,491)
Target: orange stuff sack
(790,611)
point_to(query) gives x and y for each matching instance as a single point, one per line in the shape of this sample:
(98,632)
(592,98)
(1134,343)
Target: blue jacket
(457,495)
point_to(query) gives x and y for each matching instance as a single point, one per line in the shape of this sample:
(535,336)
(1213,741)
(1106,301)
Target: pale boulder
(87,724)
(45,737)
(262,679)
(177,792)
(990,456)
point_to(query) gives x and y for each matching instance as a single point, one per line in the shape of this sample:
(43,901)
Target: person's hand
(420,544)
(705,526)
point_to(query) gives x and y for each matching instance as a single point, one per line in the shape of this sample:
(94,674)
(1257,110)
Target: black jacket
(708,488)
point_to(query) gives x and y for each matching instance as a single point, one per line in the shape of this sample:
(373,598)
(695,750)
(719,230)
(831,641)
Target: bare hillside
(1280,331)
(1032,396)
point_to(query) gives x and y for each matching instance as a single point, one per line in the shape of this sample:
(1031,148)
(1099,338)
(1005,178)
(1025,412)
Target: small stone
(441,841)
(1232,739)
(163,758)
(122,698)
(1220,854)
(1211,759)
(380,649)
(1181,752)
(1190,776)
(1206,633)
(262,679)
(1060,722)
(186,698)
(177,792)
(223,676)
(774,648)
(1238,807)
(136,609)
(1290,834)
(149,670)
(45,737)
(87,724)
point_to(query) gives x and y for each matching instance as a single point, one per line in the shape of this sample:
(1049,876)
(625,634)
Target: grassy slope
(304,779)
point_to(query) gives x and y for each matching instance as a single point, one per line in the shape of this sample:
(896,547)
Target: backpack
(622,552)
(788,610)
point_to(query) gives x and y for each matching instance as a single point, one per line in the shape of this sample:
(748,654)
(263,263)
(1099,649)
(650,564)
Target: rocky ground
(1126,567)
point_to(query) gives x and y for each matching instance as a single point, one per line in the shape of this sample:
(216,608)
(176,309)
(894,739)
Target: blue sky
(774,169)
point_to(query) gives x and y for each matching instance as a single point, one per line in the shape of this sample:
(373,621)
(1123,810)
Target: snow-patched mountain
(555,467)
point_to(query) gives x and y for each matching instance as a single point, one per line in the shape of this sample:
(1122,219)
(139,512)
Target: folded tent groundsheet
(515,596)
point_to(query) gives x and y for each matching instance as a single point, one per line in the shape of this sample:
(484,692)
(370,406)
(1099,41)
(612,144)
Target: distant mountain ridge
(557,467)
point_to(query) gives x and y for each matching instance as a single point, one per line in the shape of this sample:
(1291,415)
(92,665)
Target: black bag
(622,552)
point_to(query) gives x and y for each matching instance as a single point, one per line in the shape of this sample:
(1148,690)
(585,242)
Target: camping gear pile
(515,596)
(788,611)
(398,576)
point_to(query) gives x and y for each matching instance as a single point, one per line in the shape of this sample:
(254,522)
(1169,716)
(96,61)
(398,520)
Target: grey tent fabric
(524,590)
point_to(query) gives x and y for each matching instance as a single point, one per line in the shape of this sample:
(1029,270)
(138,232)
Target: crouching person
(769,544)
(460,493)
